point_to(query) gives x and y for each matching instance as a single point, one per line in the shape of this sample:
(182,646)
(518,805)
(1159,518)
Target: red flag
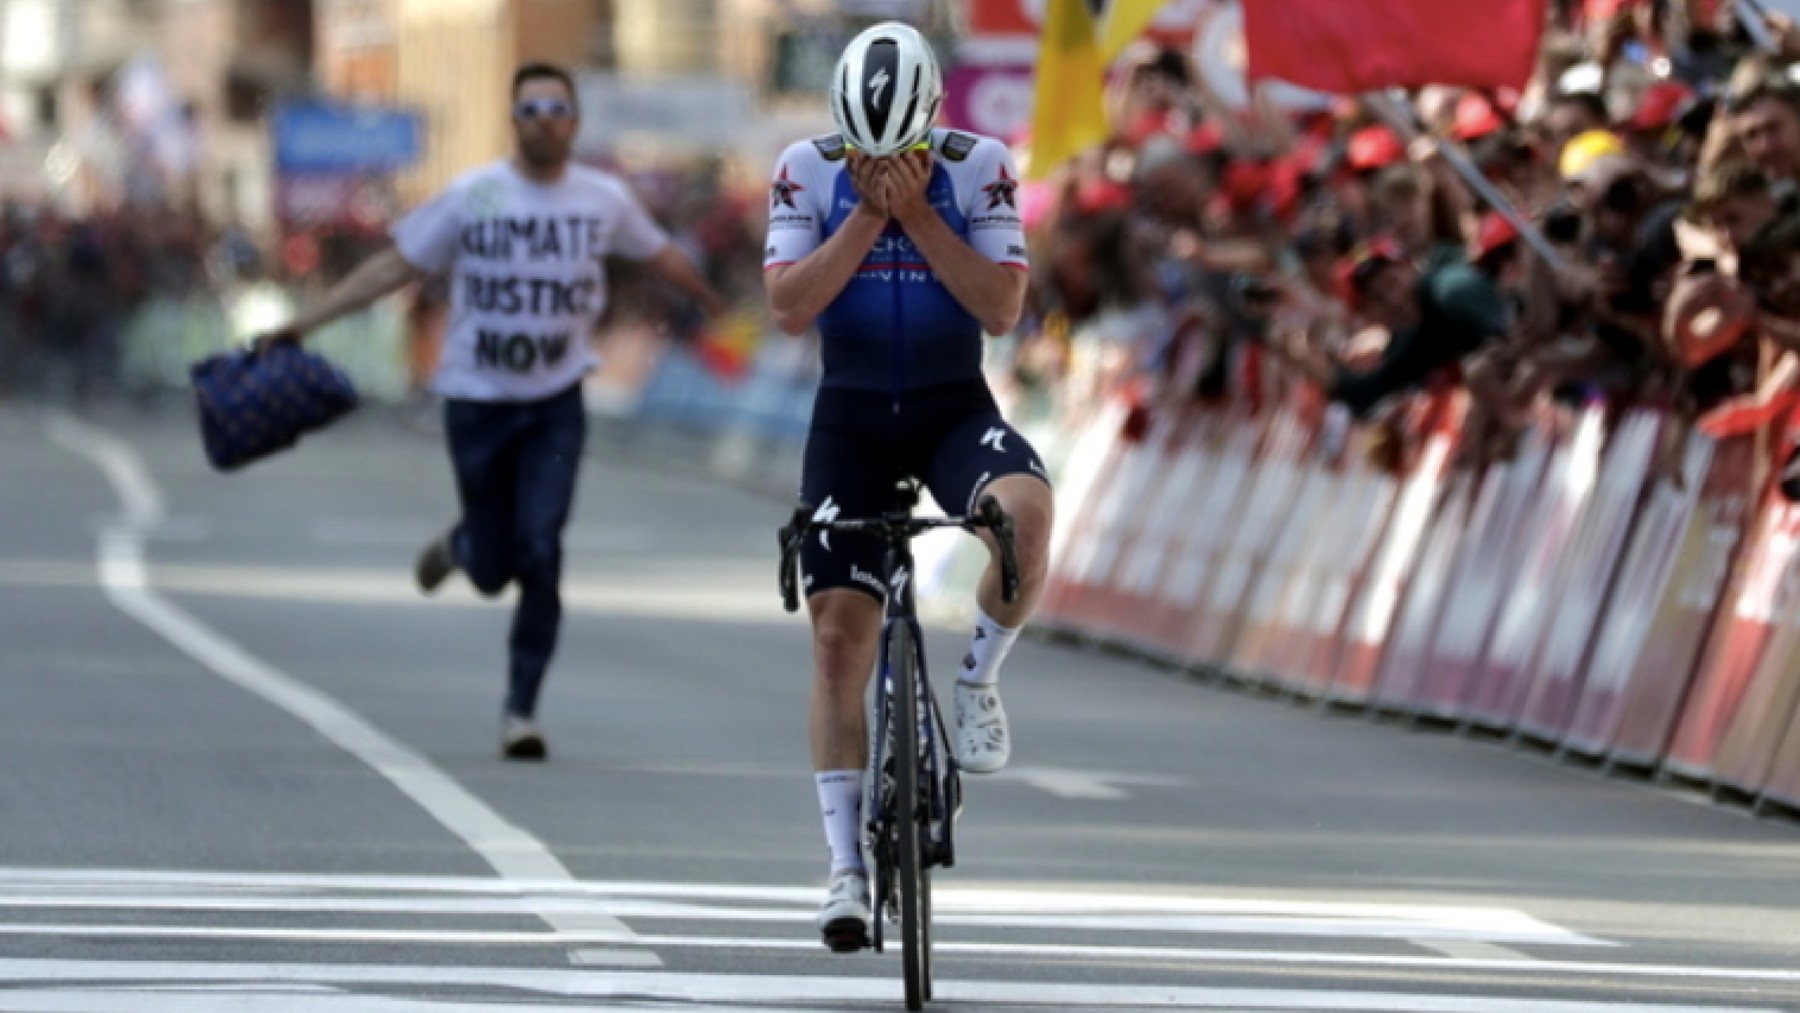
(1349,46)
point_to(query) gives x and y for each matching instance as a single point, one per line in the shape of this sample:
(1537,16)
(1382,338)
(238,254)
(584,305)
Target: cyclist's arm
(993,293)
(987,273)
(799,292)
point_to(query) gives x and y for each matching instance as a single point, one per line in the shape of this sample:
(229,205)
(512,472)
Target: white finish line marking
(513,853)
(1084,784)
(259,980)
(990,908)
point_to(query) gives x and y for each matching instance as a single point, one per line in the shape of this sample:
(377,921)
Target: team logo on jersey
(1002,191)
(957,145)
(831,147)
(782,191)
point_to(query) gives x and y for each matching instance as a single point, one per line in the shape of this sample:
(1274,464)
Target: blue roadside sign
(329,137)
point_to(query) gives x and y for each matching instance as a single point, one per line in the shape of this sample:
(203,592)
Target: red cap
(1375,148)
(1496,231)
(1475,118)
(1600,10)
(1244,184)
(1098,197)
(1205,139)
(1661,106)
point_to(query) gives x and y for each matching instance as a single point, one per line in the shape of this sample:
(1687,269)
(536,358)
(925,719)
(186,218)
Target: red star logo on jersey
(1002,191)
(782,191)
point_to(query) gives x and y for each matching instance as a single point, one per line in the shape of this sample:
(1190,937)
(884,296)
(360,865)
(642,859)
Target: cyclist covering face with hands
(903,243)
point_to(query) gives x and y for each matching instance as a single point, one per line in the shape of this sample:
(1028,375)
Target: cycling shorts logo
(995,438)
(867,579)
(975,493)
(827,513)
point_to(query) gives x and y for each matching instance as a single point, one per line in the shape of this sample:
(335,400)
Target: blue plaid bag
(254,405)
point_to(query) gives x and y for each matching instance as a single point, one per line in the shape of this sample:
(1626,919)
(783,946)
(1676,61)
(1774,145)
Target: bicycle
(906,845)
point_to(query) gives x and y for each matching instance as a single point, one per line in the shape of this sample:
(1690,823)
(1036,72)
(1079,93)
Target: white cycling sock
(841,802)
(981,667)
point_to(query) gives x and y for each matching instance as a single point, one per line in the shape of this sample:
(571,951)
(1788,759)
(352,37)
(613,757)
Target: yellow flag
(1125,20)
(1069,111)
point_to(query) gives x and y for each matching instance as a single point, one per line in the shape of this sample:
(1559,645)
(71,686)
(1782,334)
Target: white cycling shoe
(844,920)
(983,745)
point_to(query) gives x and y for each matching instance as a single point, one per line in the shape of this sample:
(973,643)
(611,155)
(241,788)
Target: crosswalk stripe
(833,992)
(1514,964)
(991,907)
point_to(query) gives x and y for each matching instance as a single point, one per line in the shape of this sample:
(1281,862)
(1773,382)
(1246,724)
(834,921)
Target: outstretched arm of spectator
(1749,412)
(383,274)
(675,268)
(1451,201)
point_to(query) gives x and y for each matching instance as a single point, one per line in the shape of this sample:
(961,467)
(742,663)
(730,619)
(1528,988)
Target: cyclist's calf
(846,640)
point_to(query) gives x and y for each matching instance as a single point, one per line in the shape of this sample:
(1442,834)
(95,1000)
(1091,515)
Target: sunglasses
(921,146)
(543,109)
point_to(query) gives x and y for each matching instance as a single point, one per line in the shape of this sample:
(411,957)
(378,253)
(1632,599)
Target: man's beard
(543,152)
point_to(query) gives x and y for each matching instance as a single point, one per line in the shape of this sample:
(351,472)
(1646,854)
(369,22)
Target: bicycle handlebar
(896,527)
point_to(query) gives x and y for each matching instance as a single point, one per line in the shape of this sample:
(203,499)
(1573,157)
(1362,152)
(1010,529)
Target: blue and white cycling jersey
(896,327)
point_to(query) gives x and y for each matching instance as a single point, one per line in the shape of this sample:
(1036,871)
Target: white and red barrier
(1566,594)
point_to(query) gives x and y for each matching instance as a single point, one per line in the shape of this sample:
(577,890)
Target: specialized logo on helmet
(782,191)
(1002,191)
(877,85)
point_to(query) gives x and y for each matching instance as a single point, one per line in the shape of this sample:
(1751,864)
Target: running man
(904,244)
(523,242)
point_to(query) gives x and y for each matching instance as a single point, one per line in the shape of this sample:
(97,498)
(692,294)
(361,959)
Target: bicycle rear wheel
(909,819)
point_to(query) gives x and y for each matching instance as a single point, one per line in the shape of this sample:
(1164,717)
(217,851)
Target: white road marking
(985,907)
(396,532)
(1223,955)
(513,852)
(614,958)
(763,990)
(719,597)
(1470,949)
(128,1000)
(1083,784)
(1161,955)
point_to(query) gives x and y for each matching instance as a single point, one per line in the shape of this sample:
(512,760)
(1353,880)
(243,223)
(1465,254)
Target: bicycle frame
(906,836)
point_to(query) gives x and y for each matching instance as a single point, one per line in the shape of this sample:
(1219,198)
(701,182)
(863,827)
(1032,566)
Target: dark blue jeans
(515,474)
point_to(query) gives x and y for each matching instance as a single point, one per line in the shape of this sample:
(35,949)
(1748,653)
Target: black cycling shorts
(949,437)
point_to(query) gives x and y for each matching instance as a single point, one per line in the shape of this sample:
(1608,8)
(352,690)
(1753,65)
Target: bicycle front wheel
(909,818)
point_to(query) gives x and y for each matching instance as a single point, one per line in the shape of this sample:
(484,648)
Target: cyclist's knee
(846,631)
(1033,511)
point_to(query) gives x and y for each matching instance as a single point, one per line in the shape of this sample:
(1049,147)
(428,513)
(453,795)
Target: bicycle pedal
(847,935)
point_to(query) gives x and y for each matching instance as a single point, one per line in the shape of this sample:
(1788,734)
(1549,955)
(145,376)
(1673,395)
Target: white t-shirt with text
(527,274)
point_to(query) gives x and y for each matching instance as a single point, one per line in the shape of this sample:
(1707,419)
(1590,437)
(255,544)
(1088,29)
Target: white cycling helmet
(886,90)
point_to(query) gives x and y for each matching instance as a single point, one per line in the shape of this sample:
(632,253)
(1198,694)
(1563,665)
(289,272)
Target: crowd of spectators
(1224,254)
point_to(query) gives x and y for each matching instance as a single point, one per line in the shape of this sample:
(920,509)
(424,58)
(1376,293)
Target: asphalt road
(243,765)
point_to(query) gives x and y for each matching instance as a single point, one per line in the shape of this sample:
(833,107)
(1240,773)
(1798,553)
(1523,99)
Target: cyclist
(904,243)
(523,241)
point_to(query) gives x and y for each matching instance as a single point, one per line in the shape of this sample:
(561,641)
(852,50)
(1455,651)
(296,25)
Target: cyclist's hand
(907,176)
(870,183)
